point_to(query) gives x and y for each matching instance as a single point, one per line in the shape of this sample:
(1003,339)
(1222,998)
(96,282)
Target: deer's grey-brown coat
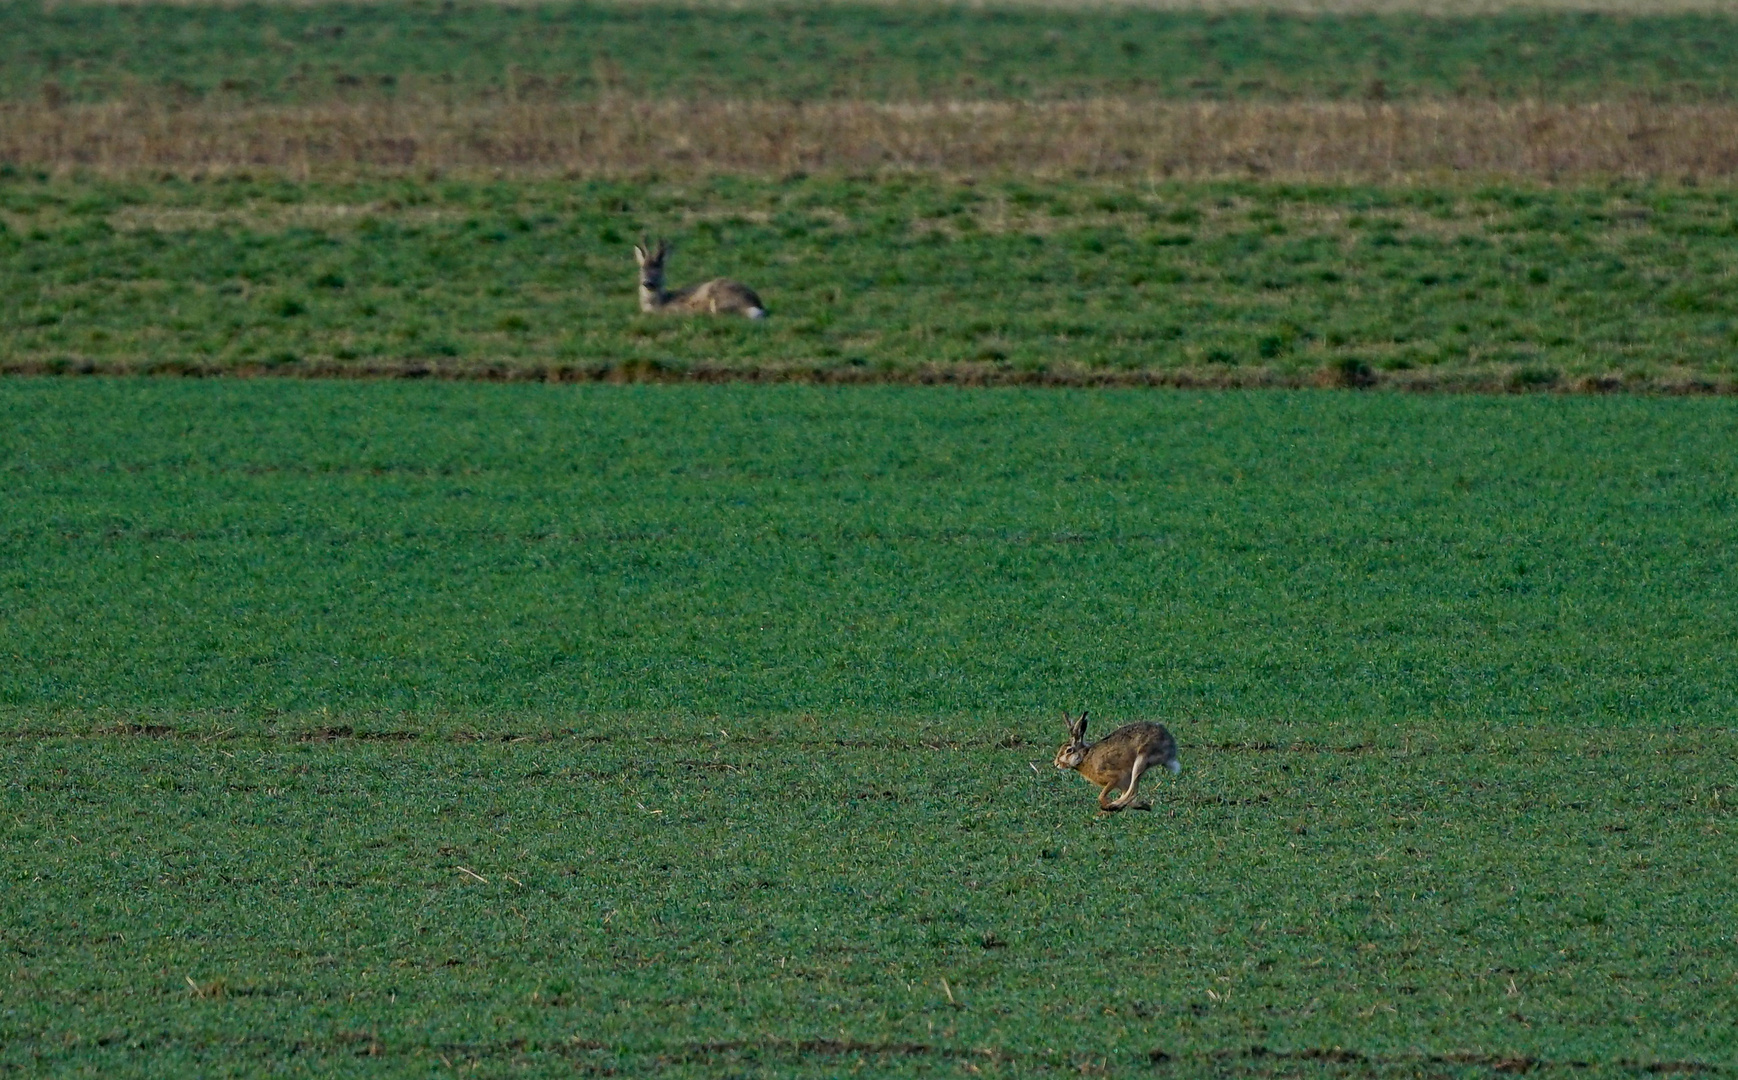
(720,296)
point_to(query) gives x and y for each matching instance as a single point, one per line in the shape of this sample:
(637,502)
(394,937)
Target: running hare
(720,296)
(1117,760)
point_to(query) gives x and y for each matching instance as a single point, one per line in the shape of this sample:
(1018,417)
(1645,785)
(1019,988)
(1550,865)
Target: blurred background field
(1460,197)
(314,53)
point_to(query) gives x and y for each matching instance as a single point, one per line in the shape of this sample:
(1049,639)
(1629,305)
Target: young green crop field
(290,53)
(386,728)
(878,278)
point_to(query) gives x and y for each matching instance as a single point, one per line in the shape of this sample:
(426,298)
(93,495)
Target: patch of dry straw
(1479,379)
(1099,137)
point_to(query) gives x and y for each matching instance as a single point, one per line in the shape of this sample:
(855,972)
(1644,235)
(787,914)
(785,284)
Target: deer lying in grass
(720,296)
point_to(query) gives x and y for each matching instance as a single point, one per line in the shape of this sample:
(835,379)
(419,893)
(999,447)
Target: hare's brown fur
(720,296)
(1117,761)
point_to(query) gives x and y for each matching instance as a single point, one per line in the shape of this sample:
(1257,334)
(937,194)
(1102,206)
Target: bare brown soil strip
(1494,379)
(1252,1060)
(1105,137)
(1244,1058)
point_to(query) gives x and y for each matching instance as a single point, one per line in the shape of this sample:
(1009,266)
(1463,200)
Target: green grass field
(877,279)
(396,728)
(318,51)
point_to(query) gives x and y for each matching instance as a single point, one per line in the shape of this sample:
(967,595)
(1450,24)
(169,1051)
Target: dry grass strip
(1483,379)
(1100,137)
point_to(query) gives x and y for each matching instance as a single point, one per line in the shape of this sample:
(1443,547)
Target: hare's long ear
(664,247)
(1076,728)
(640,251)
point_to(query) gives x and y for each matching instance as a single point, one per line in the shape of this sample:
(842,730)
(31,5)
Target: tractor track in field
(348,733)
(597,1058)
(1674,743)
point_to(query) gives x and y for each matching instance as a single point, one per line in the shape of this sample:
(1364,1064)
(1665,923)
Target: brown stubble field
(1358,141)
(1451,196)
(1361,91)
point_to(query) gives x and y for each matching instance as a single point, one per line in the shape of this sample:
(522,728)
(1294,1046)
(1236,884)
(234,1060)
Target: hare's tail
(756,313)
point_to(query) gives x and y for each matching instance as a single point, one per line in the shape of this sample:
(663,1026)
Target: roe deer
(720,296)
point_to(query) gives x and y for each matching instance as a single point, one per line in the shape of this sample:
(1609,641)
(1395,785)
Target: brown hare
(1117,761)
(720,296)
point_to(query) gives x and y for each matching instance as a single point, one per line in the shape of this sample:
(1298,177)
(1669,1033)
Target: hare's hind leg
(1127,800)
(1105,803)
